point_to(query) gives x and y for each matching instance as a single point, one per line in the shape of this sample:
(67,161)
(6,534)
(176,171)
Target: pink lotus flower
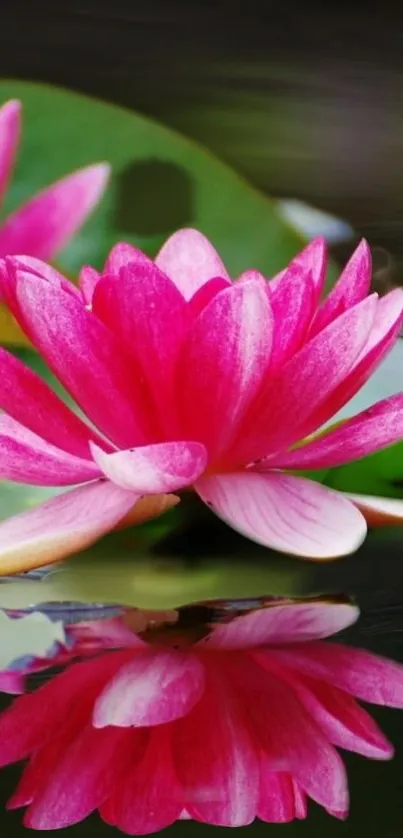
(45,224)
(194,381)
(239,725)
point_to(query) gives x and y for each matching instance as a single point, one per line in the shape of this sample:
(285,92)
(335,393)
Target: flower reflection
(219,712)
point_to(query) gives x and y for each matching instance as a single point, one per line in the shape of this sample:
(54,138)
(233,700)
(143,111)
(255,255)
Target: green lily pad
(378,474)
(160,181)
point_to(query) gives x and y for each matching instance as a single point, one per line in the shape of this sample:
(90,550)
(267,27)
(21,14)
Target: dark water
(307,104)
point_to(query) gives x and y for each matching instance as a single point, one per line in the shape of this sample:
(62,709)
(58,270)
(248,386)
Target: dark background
(307,101)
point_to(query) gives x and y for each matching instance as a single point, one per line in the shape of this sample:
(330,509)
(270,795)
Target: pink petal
(388,318)
(43,763)
(39,717)
(37,267)
(342,720)
(205,294)
(277,798)
(36,773)
(46,223)
(293,303)
(86,357)
(27,458)
(82,777)
(223,363)
(352,286)
(152,469)
(12,682)
(306,380)
(312,259)
(123,254)
(104,634)
(31,402)
(297,622)
(364,675)
(290,738)
(190,260)
(300,800)
(216,759)
(256,276)
(153,688)
(378,512)
(10,267)
(10,125)
(340,815)
(64,743)
(149,798)
(87,281)
(149,316)
(383,335)
(286,513)
(61,526)
(369,431)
